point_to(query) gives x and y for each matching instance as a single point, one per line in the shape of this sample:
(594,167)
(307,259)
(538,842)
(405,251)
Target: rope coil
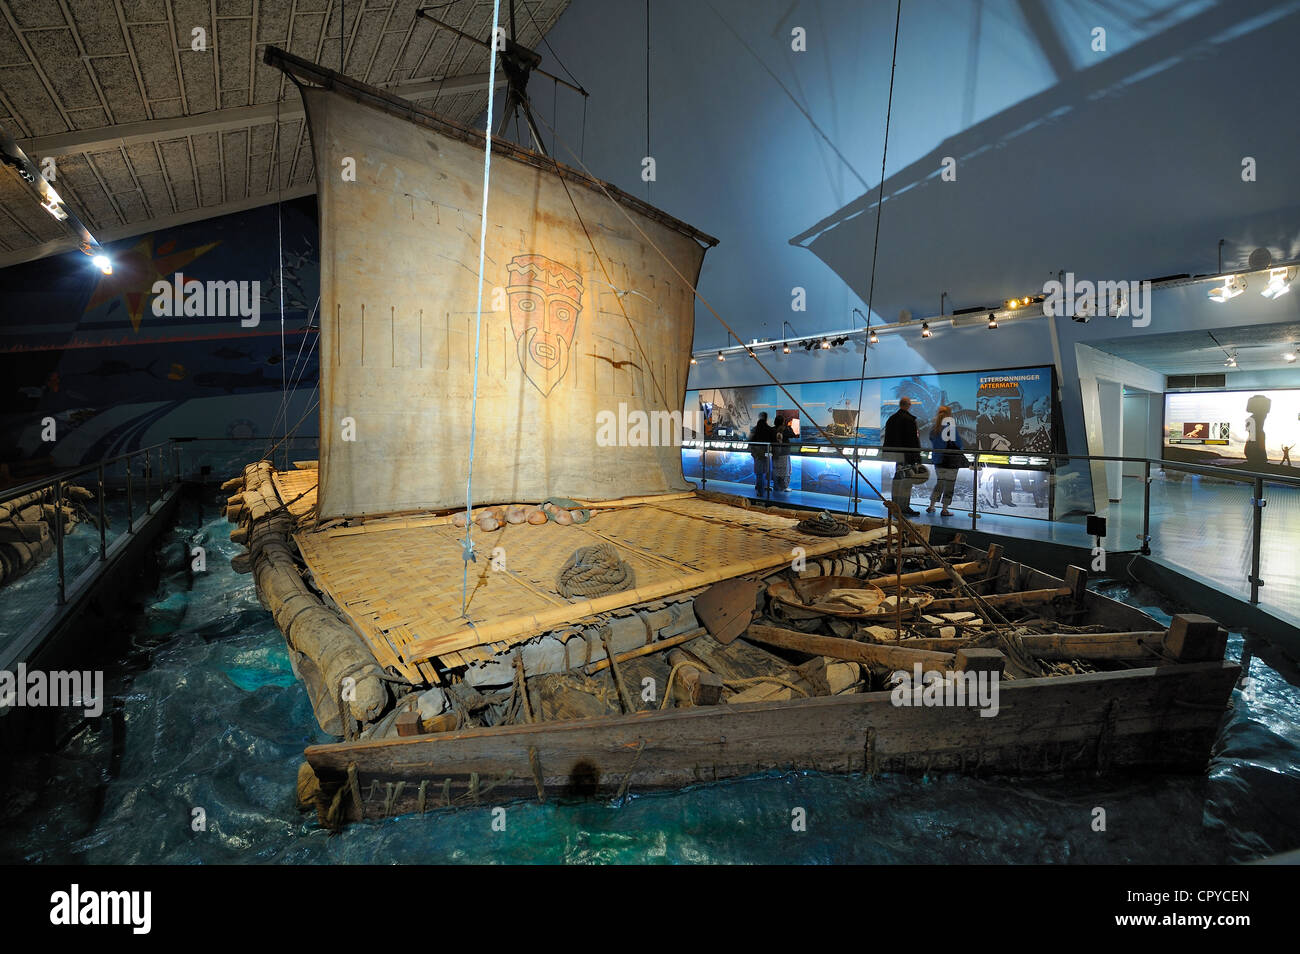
(594,571)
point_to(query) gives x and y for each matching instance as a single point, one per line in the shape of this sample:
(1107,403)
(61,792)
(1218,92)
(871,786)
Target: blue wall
(88,351)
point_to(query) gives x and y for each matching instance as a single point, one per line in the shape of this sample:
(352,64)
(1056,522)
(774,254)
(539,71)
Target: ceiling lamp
(873,338)
(720,357)
(1279,283)
(786,349)
(993,322)
(825,344)
(1231,288)
(925,329)
(1289,357)
(693,361)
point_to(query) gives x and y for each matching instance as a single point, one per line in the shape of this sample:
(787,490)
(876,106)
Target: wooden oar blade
(726,609)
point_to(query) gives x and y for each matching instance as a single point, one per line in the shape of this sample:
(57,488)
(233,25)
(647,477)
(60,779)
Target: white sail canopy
(399,220)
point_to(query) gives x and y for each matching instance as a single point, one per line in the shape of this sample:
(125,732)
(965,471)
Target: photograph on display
(1007,413)
(1254,430)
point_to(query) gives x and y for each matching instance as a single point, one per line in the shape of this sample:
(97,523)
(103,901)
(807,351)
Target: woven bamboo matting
(298,487)
(401,586)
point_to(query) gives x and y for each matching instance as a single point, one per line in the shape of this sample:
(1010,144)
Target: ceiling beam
(59,246)
(238,117)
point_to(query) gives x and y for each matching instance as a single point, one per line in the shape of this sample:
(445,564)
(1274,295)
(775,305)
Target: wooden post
(995,566)
(408,722)
(1076,578)
(693,684)
(980,660)
(1194,638)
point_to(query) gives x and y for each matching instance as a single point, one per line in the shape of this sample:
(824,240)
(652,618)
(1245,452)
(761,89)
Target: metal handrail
(9,493)
(881,452)
(1206,470)
(57,483)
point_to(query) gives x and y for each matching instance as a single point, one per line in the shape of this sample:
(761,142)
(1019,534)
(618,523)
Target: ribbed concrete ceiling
(147,132)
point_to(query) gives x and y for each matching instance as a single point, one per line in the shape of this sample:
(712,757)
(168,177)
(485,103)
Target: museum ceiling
(146,131)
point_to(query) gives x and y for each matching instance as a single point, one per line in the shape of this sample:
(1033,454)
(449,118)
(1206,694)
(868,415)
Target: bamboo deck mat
(399,581)
(298,487)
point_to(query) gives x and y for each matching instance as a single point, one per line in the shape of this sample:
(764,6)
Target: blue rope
(467,553)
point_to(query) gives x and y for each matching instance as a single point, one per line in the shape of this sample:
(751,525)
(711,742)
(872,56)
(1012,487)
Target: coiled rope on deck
(594,571)
(822,525)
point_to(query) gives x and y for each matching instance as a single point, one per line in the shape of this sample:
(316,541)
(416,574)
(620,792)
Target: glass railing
(55,529)
(1230,527)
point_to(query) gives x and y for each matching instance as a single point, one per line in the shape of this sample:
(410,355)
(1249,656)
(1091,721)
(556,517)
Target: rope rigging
(467,553)
(875,248)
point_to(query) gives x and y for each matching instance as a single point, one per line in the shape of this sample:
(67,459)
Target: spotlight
(1289,357)
(693,361)
(807,346)
(925,329)
(786,349)
(750,352)
(1279,283)
(993,322)
(1231,288)
(873,338)
(825,344)
(103,264)
(1013,303)
(1231,362)
(720,357)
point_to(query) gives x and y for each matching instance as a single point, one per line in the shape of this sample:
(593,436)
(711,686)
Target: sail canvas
(581,316)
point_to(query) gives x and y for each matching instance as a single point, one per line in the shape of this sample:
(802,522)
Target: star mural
(135,271)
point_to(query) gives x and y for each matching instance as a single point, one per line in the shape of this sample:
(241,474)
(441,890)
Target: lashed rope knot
(593,571)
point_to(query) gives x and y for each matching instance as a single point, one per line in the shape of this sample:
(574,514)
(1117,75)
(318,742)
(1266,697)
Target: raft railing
(1179,519)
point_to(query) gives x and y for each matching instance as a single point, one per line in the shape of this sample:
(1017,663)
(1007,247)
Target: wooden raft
(399,581)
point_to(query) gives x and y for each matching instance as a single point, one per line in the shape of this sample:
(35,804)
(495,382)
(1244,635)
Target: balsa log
(328,656)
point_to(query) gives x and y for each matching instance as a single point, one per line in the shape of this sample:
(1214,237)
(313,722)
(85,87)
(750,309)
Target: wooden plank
(1025,600)
(1062,647)
(1160,717)
(873,654)
(937,575)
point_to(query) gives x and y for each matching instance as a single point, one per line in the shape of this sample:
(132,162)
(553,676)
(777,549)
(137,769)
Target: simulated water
(206,714)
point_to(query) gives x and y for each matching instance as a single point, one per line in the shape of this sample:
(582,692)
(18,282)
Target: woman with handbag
(947,464)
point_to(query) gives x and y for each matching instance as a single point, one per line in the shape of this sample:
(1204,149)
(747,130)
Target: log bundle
(328,656)
(28,529)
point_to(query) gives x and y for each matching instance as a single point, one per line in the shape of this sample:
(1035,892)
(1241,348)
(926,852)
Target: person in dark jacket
(946,464)
(781,454)
(901,431)
(761,437)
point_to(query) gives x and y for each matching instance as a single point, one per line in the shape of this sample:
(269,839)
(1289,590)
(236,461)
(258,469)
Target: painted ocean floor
(195,761)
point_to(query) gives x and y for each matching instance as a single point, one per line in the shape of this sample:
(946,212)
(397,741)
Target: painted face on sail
(545,300)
